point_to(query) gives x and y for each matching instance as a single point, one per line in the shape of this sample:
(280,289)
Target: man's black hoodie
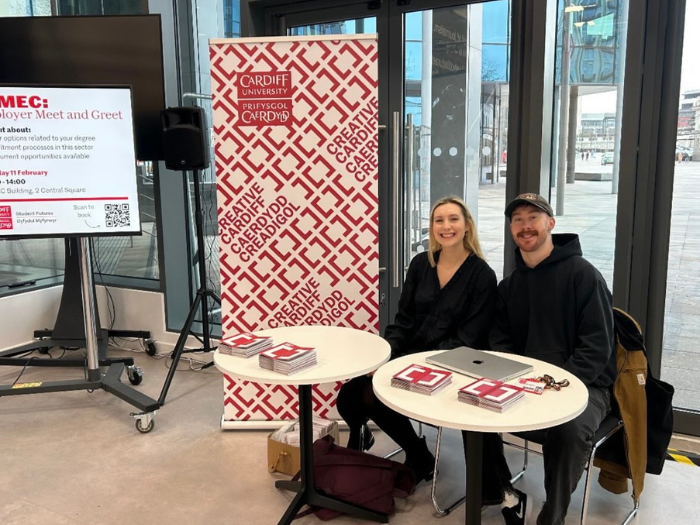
(560,312)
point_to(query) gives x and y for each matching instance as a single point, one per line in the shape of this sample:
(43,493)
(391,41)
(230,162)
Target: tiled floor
(75,458)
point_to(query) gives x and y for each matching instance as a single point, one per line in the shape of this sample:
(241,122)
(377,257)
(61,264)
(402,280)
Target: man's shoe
(515,515)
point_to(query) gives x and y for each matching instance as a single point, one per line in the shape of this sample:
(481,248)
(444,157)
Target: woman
(447,301)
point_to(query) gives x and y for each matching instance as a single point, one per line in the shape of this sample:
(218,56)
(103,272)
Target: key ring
(550,382)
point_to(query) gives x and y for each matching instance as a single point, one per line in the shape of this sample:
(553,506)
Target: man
(557,308)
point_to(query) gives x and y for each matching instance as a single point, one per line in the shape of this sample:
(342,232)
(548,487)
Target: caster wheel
(44,350)
(135,375)
(145,429)
(151,348)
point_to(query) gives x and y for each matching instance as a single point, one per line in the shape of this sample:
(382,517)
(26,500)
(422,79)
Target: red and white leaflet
(412,373)
(243,340)
(480,387)
(421,379)
(491,394)
(286,352)
(502,394)
(432,378)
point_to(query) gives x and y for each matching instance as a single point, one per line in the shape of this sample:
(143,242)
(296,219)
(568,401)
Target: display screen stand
(79,298)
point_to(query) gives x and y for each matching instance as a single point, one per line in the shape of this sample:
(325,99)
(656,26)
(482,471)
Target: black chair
(608,427)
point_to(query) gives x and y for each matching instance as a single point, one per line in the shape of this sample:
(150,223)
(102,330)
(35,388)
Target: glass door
(455,116)
(680,360)
(443,110)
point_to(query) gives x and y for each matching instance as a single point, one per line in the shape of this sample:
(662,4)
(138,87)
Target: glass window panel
(129,256)
(414,27)
(586,130)
(133,256)
(24,261)
(98,7)
(494,63)
(414,64)
(456,115)
(212,19)
(680,361)
(496,22)
(25,8)
(595,35)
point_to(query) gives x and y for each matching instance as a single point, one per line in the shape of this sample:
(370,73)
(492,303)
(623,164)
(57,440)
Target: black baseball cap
(533,199)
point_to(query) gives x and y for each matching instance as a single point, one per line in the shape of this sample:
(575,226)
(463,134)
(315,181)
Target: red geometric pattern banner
(295,127)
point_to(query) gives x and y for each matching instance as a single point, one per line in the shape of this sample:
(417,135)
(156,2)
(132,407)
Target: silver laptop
(476,363)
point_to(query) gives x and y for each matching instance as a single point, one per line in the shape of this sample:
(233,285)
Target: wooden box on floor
(285,458)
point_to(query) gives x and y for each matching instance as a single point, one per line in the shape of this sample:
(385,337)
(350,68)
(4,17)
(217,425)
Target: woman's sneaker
(367,437)
(515,515)
(422,463)
(361,439)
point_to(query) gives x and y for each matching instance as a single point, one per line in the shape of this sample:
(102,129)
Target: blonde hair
(471,239)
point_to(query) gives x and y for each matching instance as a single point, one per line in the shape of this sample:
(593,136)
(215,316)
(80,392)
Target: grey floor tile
(75,458)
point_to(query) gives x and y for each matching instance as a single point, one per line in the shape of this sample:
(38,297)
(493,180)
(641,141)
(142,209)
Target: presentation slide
(67,162)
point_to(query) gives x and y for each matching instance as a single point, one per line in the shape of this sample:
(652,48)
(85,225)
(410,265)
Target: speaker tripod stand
(201,298)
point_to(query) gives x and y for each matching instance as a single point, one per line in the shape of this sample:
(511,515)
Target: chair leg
(587,487)
(433,495)
(399,449)
(525,450)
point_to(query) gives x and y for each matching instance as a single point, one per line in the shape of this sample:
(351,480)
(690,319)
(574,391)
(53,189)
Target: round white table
(342,353)
(443,409)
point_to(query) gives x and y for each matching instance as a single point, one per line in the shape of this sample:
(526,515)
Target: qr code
(117,215)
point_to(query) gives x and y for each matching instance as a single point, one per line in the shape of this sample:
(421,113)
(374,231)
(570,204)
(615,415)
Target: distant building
(596,132)
(688,137)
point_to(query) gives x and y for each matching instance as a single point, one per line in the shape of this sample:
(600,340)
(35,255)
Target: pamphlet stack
(244,344)
(490,394)
(287,358)
(421,379)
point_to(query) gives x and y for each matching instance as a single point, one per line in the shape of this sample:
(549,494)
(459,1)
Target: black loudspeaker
(184,146)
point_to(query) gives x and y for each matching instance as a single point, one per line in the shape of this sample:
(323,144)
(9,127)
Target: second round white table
(443,409)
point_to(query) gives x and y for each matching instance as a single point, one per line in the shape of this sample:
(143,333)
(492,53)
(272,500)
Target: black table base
(474,449)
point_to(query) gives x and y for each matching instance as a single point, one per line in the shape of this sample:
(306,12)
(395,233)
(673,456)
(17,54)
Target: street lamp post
(563,110)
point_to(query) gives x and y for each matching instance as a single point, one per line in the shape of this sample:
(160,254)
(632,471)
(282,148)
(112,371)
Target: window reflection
(29,260)
(591,37)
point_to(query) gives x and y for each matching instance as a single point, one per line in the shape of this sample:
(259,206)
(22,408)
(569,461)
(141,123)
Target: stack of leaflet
(491,394)
(320,427)
(244,345)
(421,379)
(287,358)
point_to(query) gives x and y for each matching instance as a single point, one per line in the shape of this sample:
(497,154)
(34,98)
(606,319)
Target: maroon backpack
(357,477)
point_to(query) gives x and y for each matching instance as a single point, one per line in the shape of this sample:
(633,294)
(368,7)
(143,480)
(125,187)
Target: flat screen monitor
(107,50)
(67,161)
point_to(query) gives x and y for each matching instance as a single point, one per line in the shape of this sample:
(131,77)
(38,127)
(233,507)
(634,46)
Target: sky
(690,72)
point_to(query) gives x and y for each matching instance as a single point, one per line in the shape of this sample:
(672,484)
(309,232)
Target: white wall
(134,310)
(24,313)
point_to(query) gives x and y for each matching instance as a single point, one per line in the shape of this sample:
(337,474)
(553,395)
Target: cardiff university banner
(295,131)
